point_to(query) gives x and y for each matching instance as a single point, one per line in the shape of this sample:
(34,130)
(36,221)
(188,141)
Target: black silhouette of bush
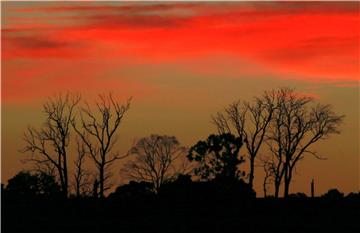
(298,195)
(133,191)
(353,197)
(184,189)
(25,185)
(333,194)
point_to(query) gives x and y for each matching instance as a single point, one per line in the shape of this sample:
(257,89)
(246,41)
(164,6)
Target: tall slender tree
(81,176)
(49,144)
(249,120)
(98,131)
(297,125)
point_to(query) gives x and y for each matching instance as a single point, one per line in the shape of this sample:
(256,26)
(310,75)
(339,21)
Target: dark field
(205,214)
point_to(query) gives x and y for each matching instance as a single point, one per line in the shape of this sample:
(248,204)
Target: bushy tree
(333,194)
(217,157)
(27,185)
(133,190)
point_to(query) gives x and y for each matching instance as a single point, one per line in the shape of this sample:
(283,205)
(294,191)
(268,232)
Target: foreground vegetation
(181,206)
(173,188)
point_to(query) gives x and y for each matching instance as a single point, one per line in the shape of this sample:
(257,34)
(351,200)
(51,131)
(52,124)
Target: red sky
(179,54)
(307,41)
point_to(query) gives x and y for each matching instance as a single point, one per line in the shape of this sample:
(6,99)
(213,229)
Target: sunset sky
(182,62)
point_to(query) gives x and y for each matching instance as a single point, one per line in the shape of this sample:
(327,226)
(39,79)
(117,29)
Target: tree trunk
(66,180)
(77,189)
(101,177)
(62,182)
(286,188)
(251,173)
(277,188)
(287,176)
(264,188)
(287,181)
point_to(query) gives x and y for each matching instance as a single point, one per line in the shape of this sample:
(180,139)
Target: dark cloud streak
(145,7)
(35,42)
(321,46)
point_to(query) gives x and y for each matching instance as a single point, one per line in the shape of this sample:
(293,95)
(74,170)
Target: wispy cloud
(308,41)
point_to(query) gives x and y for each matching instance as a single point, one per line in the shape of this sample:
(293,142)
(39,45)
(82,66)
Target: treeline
(26,186)
(281,123)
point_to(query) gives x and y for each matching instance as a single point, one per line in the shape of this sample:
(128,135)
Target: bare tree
(82,182)
(250,121)
(182,165)
(270,173)
(98,133)
(49,144)
(156,160)
(44,168)
(295,127)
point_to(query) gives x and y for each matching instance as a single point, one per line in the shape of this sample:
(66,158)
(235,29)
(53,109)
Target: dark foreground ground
(162,215)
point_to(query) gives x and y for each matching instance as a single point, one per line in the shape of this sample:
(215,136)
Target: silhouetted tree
(98,133)
(23,184)
(133,190)
(269,175)
(180,188)
(353,196)
(95,189)
(49,144)
(27,185)
(250,121)
(333,194)
(217,157)
(298,195)
(157,160)
(294,128)
(82,182)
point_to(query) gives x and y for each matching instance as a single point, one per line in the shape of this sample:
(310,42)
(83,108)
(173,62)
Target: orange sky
(182,62)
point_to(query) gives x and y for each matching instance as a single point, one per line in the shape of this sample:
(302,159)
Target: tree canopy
(217,157)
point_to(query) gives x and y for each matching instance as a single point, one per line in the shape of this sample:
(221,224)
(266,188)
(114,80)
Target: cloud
(35,42)
(134,21)
(320,46)
(307,41)
(26,81)
(198,7)
(120,7)
(38,45)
